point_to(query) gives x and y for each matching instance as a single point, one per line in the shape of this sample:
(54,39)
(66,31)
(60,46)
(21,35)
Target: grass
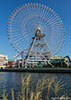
(29,93)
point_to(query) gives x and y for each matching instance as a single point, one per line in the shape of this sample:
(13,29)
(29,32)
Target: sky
(61,7)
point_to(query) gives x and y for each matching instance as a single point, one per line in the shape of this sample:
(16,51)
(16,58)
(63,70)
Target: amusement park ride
(36,32)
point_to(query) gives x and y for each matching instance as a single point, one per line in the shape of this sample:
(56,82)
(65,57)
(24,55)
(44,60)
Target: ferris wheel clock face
(26,19)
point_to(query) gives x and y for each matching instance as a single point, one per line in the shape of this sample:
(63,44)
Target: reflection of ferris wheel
(35,27)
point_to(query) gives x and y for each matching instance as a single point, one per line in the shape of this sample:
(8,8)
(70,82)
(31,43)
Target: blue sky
(61,7)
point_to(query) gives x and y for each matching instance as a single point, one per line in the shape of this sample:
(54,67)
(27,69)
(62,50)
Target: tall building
(3,60)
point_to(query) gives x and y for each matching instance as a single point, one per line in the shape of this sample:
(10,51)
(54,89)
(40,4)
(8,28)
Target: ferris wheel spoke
(16,35)
(46,16)
(52,22)
(25,46)
(19,39)
(49,14)
(21,44)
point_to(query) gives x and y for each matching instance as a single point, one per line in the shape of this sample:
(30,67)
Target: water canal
(10,80)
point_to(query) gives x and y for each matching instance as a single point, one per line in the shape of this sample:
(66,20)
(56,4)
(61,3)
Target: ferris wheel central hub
(39,32)
(39,35)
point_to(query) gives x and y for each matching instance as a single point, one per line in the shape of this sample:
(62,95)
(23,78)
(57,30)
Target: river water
(9,80)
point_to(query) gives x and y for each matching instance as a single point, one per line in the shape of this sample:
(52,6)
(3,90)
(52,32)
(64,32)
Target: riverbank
(38,70)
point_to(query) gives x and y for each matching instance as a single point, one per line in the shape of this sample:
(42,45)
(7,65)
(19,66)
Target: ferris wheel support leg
(29,52)
(50,63)
(25,66)
(22,59)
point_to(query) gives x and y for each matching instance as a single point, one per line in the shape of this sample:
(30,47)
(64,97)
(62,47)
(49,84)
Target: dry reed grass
(28,94)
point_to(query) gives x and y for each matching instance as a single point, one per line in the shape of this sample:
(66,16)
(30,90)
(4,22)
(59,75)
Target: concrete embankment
(38,70)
